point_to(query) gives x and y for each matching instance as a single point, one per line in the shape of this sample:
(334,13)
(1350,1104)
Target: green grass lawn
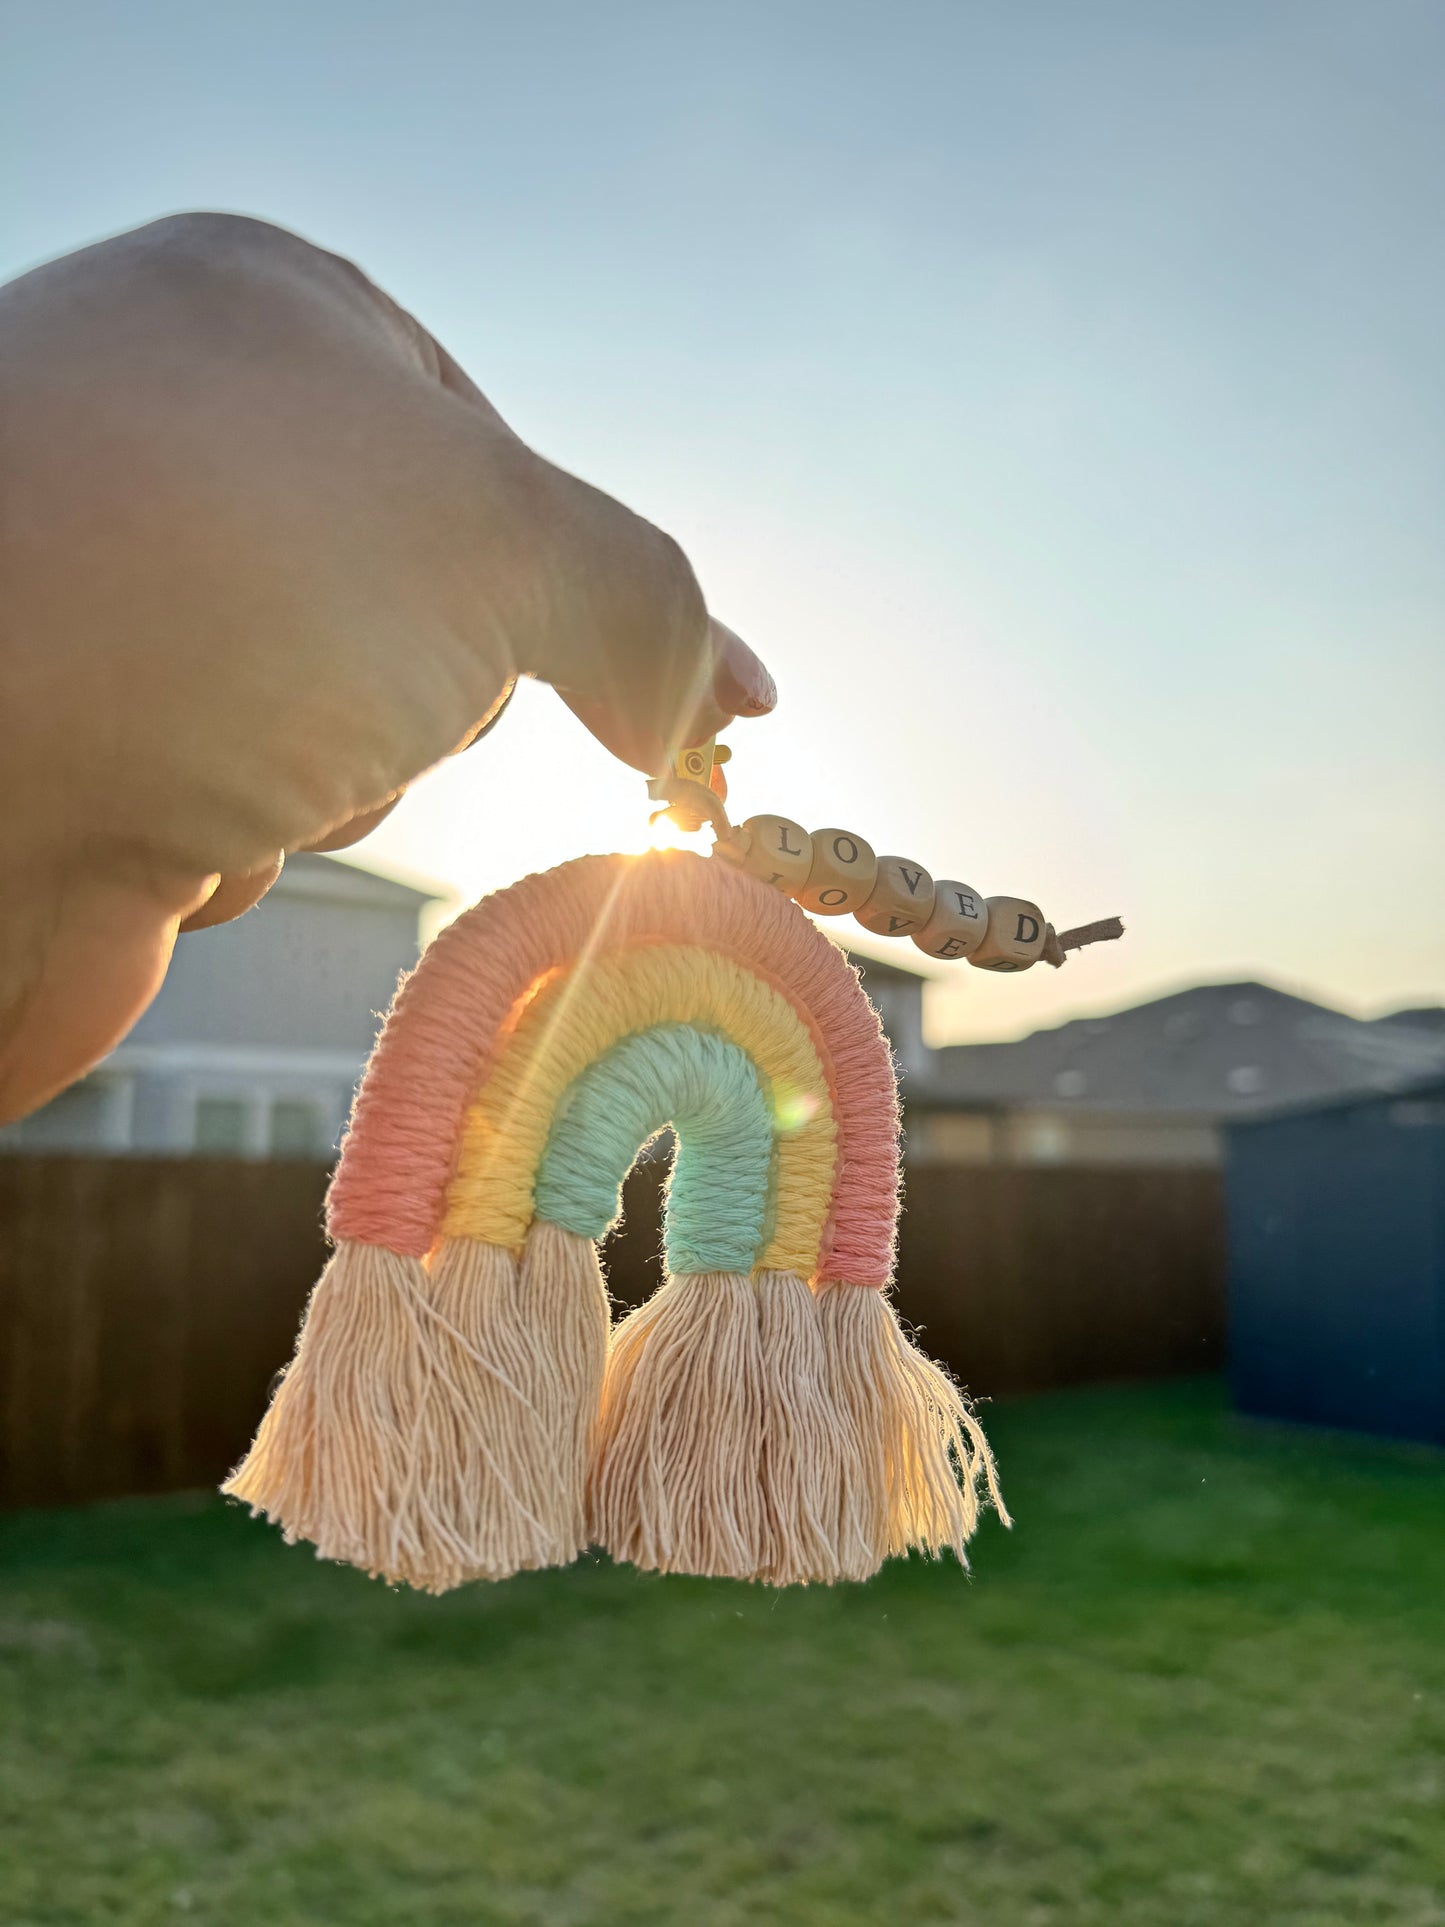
(1202,1681)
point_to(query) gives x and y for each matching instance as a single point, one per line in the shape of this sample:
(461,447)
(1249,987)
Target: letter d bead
(1016,935)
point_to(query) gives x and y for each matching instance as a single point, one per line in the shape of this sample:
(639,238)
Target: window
(1046,1140)
(297,1130)
(75,1120)
(220,1127)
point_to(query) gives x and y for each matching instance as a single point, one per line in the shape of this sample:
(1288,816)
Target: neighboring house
(1423,1017)
(1153,1084)
(897,996)
(258,1037)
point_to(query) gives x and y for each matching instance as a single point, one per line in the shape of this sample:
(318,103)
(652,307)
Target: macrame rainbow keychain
(459,1408)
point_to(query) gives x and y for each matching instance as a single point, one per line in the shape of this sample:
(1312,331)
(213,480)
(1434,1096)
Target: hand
(267,555)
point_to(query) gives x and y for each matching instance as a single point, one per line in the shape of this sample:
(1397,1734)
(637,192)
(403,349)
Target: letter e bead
(959,922)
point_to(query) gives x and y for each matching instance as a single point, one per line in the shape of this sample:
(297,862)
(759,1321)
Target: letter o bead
(841,877)
(901,900)
(959,922)
(1016,935)
(781,853)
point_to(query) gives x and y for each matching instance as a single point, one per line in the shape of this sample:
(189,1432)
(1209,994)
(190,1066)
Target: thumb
(604,605)
(628,644)
(733,683)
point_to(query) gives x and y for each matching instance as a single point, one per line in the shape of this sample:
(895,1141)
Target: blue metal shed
(1336,1219)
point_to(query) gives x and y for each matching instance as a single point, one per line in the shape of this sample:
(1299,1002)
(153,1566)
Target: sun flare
(665,835)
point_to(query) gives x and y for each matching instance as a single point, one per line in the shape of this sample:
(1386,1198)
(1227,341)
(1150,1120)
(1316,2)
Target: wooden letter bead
(959,922)
(1016,935)
(902,898)
(781,853)
(843,873)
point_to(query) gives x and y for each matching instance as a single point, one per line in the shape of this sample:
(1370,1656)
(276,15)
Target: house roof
(1422,1017)
(1422,1095)
(1219,1050)
(876,970)
(326,879)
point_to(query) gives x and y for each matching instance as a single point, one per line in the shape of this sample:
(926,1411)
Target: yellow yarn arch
(575,1017)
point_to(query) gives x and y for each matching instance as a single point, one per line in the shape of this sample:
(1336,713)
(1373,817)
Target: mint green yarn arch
(709,1091)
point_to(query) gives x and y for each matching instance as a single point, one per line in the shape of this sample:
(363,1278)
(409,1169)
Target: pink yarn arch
(442,1038)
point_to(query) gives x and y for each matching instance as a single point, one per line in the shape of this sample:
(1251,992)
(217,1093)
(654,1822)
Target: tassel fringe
(483,1456)
(565,1311)
(334,1456)
(805,1444)
(676,1480)
(755,1430)
(433,1426)
(467,1421)
(922,1455)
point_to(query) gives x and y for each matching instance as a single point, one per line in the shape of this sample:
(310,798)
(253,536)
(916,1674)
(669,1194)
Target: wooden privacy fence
(145,1305)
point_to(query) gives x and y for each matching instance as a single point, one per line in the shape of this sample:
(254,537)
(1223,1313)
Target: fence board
(145,1304)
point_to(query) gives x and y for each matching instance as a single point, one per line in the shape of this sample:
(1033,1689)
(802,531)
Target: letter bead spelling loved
(843,872)
(901,901)
(779,852)
(959,922)
(1016,935)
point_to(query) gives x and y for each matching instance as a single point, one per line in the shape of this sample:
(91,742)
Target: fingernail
(740,681)
(495,713)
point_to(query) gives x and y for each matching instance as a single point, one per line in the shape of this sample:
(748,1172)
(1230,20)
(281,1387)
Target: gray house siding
(300,972)
(259,1035)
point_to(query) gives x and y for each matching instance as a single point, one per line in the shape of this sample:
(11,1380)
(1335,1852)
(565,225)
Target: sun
(665,835)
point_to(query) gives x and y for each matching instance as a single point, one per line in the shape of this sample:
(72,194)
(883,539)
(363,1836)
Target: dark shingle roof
(1218,1050)
(1423,1017)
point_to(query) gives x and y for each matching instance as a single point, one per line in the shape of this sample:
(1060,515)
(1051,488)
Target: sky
(1051,393)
